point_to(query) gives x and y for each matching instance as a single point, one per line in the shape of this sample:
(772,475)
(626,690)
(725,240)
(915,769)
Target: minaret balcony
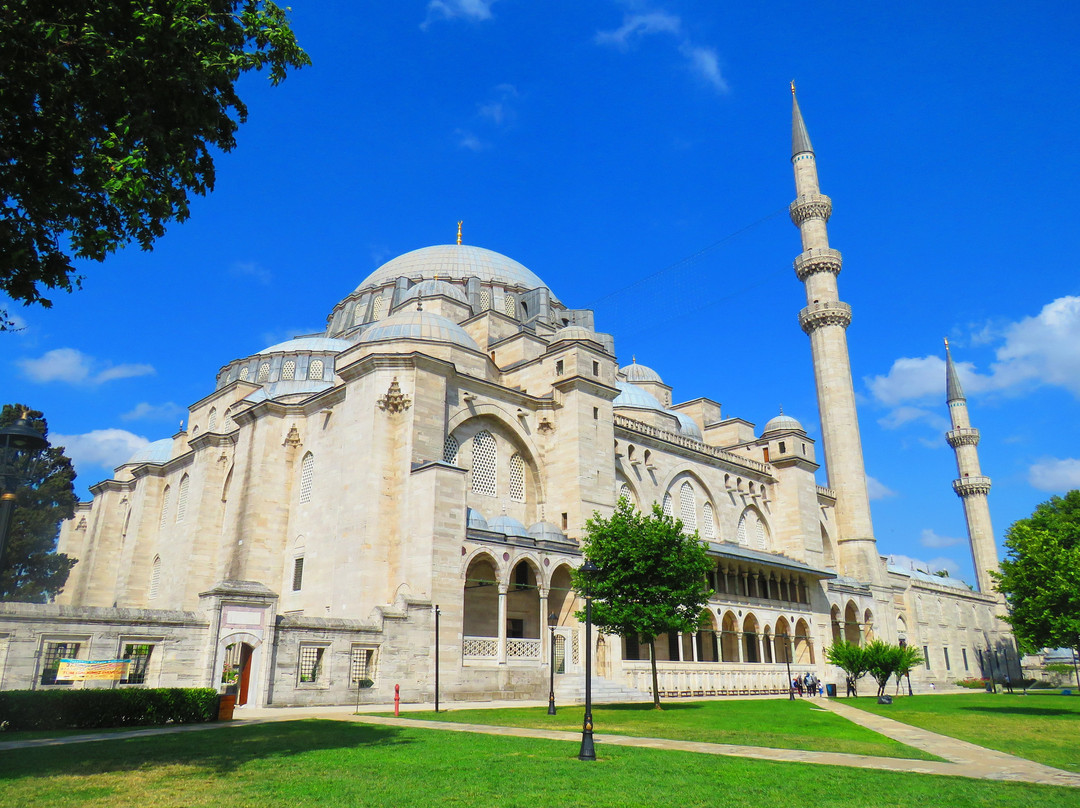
(817,315)
(810,206)
(817,259)
(968,436)
(969,486)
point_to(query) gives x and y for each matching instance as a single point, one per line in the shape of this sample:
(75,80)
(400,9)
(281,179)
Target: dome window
(315,369)
(264,372)
(485,456)
(509,306)
(485,299)
(378,309)
(243,374)
(288,371)
(358,315)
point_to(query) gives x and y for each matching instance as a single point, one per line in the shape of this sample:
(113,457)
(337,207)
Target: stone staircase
(570,689)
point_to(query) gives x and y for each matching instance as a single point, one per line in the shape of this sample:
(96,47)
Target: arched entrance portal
(236,672)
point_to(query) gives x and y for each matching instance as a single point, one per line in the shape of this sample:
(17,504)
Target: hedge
(102,707)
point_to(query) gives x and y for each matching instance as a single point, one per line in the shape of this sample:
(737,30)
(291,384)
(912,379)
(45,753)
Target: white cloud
(145,411)
(251,269)
(638,25)
(500,110)
(876,489)
(1055,475)
(910,379)
(900,416)
(706,63)
(931,566)
(107,448)
(16,324)
(457,9)
(931,539)
(468,140)
(74,367)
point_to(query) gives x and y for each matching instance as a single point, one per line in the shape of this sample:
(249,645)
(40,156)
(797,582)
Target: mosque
(431,460)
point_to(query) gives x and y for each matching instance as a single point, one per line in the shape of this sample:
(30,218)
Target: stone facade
(441,445)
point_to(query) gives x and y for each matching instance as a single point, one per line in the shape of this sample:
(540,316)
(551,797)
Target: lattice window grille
(575,650)
(487,647)
(298,574)
(165,506)
(667,507)
(759,534)
(509,306)
(485,299)
(229,424)
(378,309)
(264,372)
(523,649)
(315,370)
(362,667)
(708,530)
(181,499)
(311,657)
(140,663)
(740,533)
(212,421)
(450,450)
(485,456)
(288,370)
(307,474)
(244,374)
(517,478)
(625,493)
(687,507)
(50,661)
(358,315)
(155,578)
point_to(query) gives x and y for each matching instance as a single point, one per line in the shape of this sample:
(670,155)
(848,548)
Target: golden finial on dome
(793,86)
(946,343)
(459,232)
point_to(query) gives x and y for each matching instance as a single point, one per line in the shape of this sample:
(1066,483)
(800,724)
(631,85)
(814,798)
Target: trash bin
(830,691)
(226,707)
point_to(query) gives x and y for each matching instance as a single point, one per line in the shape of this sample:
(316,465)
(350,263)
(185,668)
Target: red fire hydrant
(397,699)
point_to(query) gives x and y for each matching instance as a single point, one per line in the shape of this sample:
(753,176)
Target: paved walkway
(961,759)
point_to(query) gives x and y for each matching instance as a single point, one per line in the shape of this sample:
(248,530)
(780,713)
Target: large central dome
(454,262)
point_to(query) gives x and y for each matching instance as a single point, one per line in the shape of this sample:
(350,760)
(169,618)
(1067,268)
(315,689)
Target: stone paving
(960,758)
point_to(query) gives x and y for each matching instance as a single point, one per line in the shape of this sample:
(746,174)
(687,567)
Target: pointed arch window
(244,374)
(228,419)
(667,507)
(288,370)
(165,506)
(264,372)
(485,299)
(509,306)
(708,527)
(485,457)
(450,450)
(211,423)
(307,476)
(687,507)
(315,370)
(378,309)
(181,499)
(517,478)
(740,533)
(155,578)
(626,493)
(358,315)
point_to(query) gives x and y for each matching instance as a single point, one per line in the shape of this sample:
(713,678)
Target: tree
(109,113)
(1040,575)
(880,660)
(31,570)
(907,659)
(651,579)
(850,658)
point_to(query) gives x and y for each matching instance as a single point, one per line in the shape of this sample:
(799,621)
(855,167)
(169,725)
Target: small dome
(782,423)
(687,425)
(157,452)
(274,390)
(545,531)
(475,520)
(433,288)
(308,344)
(633,396)
(508,526)
(640,373)
(457,262)
(425,325)
(574,332)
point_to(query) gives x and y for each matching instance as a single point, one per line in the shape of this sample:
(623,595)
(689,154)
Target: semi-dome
(309,344)
(455,262)
(414,324)
(508,526)
(640,373)
(633,396)
(687,425)
(157,452)
(475,520)
(782,422)
(433,288)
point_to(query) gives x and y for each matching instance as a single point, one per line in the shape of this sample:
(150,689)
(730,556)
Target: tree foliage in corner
(1040,575)
(109,113)
(652,577)
(31,570)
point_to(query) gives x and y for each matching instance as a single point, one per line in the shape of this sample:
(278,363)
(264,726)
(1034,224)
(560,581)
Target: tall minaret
(972,487)
(825,320)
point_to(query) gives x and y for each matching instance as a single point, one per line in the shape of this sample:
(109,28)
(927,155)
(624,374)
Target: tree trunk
(655,684)
(1076,670)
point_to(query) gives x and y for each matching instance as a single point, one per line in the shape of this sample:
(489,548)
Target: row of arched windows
(752,530)
(181,501)
(315,371)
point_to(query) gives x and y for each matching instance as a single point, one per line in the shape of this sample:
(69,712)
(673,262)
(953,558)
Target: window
(155,578)
(181,499)
(484,460)
(667,505)
(596,413)
(948,665)
(963,653)
(517,478)
(624,493)
(50,661)
(288,370)
(378,309)
(450,450)
(358,315)
(139,654)
(229,424)
(708,529)
(164,506)
(315,369)
(485,299)
(740,532)
(687,507)
(362,667)
(783,447)
(212,421)
(926,656)
(307,473)
(509,306)
(264,372)
(595,368)
(243,374)
(558,367)
(298,574)
(565,522)
(311,659)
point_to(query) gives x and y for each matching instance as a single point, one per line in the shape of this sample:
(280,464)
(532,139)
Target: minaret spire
(971,486)
(825,320)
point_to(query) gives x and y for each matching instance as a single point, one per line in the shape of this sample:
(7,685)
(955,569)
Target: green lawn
(329,763)
(777,723)
(1041,726)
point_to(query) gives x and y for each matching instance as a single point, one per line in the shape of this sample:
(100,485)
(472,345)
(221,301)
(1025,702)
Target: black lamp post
(553,619)
(787,661)
(588,751)
(16,441)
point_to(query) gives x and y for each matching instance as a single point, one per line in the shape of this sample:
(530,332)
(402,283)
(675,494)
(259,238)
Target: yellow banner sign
(78,670)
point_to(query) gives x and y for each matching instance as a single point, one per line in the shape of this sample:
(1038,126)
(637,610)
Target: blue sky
(635,155)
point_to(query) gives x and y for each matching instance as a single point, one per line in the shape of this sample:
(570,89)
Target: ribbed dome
(545,531)
(782,422)
(305,344)
(432,288)
(475,520)
(508,526)
(455,262)
(632,396)
(687,425)
(157,452)
(412,324)
(640,373)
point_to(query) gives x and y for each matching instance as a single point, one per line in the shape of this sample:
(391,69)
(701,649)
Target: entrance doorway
(236,672)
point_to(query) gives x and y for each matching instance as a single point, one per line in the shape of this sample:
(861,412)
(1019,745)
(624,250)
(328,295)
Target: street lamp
(588,751)
(553,620)
(787,661)
(16,442)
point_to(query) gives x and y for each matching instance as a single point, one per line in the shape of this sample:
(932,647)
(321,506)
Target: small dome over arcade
(545,531)
(782,423)
(508,526)
(156,453)
(687,425)
(640,373)
(633,396)
(475,520)
(412,323)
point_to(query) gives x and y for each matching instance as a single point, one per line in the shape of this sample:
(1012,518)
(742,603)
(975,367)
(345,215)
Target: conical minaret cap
(953,391)
(800,140)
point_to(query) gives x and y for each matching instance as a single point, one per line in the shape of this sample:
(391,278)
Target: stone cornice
(817,315)
(970,486)
(818,259)
(962,437)
(112,485)
(589,385)
(810,206)
(662,436)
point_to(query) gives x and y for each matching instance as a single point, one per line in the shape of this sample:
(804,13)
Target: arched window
(484,461)
(307,473)
(181,499)
(264,372)
(378,309)
(155,578)
(740,533)
(687,507)
(509,305)
(517,478)
(667,505)
(358,315)
(752,531)
(759,536)
(485,299)
(228,419)
(165,506)
(315,370)
(243,374)
(625,493)
(288,370)
(211,423)
(450,450)
(708,527)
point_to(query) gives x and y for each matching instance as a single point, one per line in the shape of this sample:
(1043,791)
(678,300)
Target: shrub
(102,707)
(973,684)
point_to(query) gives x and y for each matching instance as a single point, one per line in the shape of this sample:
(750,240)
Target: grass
(1041,726)
(777,723)
(319,763)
